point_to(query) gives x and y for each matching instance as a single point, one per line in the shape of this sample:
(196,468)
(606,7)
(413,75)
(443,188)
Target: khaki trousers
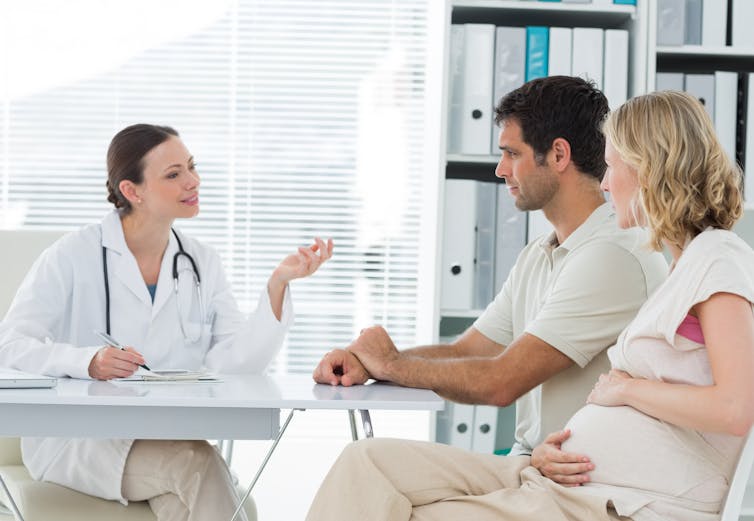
(398,480)
(181,480)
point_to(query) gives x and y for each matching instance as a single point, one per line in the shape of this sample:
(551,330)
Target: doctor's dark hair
(565,107)
(125,158)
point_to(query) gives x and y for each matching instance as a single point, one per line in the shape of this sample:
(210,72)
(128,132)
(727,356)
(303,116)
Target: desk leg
(227,451)
(264,463)
(13,507)
(366,422)
(352,420)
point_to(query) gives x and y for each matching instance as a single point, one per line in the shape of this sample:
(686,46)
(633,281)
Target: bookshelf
(480,167)
(646,58)
(701,59)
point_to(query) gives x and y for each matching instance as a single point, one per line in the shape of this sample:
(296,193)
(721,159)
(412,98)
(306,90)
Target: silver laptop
(12,379)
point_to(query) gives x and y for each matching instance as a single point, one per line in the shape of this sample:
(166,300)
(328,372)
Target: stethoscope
(197,286)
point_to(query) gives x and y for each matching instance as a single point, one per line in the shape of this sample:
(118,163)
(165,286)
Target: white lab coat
(50,328)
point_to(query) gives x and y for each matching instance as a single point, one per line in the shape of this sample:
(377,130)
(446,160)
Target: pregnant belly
(631,449)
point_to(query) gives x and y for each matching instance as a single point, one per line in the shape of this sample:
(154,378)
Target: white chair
(37,500)
(734,499)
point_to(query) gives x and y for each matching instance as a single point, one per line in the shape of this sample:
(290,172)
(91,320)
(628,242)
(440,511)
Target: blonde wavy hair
(686,180)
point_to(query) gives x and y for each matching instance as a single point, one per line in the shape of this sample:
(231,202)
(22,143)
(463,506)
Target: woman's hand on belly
(565,468)
(609,389)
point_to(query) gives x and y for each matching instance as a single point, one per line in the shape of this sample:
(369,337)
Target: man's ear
(560,154)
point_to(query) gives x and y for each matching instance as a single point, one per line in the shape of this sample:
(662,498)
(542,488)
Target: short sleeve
(714,265)
(597,293)
(496,323)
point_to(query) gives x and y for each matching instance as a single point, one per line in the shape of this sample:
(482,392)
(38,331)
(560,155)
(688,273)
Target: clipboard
(170,375)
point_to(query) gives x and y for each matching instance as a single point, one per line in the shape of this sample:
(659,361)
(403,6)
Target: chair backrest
(20,249)
(734,499)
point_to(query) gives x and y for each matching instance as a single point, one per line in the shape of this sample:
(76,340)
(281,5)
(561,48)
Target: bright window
(305,117)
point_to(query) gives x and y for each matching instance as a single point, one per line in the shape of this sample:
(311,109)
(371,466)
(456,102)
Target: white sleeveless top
(651,469)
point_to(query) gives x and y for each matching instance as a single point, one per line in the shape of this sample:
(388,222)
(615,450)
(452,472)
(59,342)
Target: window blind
(305,118)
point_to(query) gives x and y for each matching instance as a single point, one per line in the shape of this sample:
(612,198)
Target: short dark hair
(125,158)
(565,107)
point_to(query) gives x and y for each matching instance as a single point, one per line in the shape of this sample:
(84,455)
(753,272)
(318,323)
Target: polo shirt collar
(592,223)
(598,217)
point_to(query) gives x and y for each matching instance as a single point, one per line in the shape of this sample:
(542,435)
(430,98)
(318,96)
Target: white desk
(239,407)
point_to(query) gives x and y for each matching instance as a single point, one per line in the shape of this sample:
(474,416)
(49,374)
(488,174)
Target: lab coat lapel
(121,263)
(165,280)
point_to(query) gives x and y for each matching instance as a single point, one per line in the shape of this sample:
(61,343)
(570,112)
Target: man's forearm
(432,352)
(463,348)
(463,380)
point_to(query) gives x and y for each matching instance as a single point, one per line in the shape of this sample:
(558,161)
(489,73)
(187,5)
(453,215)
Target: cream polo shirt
(577,296)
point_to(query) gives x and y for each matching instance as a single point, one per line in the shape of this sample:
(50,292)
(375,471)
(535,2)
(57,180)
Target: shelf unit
(481,167)
(645,60)
(693,59)
(552,14)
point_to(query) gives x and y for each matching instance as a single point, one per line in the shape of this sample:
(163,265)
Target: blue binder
(537,48)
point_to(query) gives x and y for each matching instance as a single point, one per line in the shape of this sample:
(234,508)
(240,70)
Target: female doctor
(166,297)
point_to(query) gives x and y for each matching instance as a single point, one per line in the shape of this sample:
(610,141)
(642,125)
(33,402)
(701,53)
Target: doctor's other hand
(111,362)
(339,367)
(567,469)
(303,263)
(375,350)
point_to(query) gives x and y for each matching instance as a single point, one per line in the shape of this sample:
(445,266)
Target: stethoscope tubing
(178,254)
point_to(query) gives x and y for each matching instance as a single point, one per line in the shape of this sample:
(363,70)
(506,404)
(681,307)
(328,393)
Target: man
(541,342)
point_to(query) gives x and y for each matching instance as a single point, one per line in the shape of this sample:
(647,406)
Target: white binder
(703,87)
(461,425)
(671,22)
(693,34)
(561,40)
(458,244)
(455,89)
(587,54)
(510,69)
(726,95)
(484,262)
(477,104)
(714,23)
(485,429)
(616,67)
(669,81)
(510,237)
(742,14)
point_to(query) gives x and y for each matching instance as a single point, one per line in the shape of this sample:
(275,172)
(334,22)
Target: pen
(110,340)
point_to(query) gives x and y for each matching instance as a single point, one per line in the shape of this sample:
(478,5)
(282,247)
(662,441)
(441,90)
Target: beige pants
(182,480)
(398,480)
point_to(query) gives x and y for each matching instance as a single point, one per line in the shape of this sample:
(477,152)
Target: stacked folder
(704,22)
(487,62)
(483,233)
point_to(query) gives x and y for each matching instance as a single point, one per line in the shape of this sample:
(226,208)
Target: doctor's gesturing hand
(111,362)
(296,266)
